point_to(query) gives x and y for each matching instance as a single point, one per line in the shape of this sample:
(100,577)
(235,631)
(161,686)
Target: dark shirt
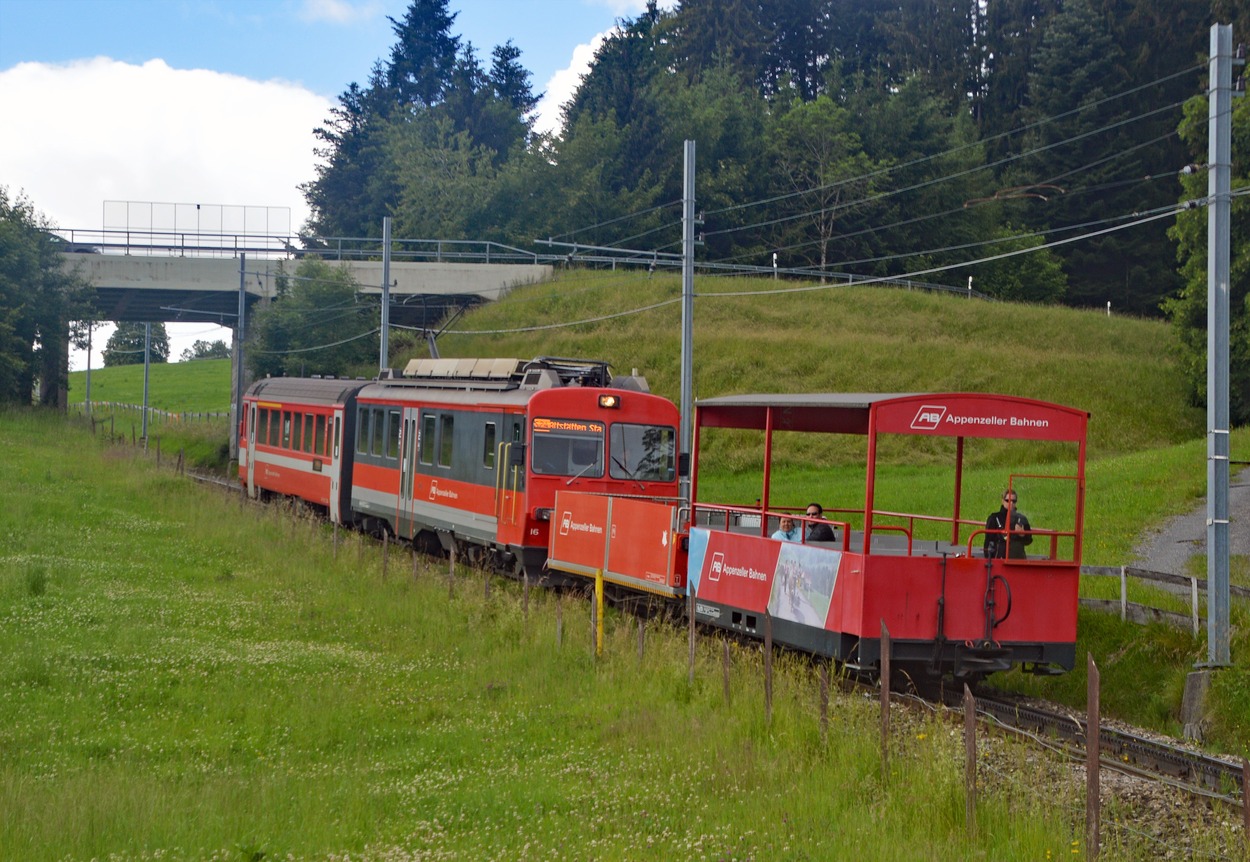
(995,537)
(820,533)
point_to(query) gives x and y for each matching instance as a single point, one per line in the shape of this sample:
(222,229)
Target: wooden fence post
(824,700)
(885,702)
(598,632)
(768,667)
(970,761)
(1093,809)
(386,550)
(1245,802)
(451,573)
(559,621)
(642,627)
(725,663)
(1193,603)
(690,600)
(415,573)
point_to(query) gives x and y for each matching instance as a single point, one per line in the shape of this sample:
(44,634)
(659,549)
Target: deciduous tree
(126,345)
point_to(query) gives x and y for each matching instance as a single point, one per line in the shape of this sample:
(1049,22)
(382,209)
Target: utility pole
(147,364)
(383,361)
(1219,181)
(687,316)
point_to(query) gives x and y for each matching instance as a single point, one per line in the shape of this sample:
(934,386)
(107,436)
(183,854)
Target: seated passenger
(996,530)
(819,532)
(789,531)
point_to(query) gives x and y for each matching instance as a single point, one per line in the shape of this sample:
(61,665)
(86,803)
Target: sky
(214,102)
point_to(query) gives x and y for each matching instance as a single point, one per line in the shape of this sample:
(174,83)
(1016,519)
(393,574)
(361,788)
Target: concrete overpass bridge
(149,276)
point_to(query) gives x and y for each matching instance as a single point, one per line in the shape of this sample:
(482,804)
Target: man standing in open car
(996,532)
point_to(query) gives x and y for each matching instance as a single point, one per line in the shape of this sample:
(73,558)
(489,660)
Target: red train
(554,469)
(921,576)
(464,453)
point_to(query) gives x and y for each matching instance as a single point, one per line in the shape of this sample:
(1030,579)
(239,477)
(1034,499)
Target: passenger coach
(463,454)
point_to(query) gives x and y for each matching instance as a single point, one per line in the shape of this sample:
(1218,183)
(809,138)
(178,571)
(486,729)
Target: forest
(847,136)
(837,138)
(1041,150)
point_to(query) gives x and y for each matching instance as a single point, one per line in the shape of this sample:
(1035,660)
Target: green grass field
(189,677)
(1147,447)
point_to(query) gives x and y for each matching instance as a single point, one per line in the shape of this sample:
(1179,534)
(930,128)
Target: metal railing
(268,246)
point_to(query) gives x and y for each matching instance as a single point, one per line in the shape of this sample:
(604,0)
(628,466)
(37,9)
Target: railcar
(916,577)
(296,439)
(469,454)
(462,454)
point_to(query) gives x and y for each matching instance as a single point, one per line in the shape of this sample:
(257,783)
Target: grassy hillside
(839,339)
(199,386)
(842,339)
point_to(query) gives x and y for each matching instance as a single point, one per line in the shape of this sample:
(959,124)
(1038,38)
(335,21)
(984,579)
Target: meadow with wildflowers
(189,676)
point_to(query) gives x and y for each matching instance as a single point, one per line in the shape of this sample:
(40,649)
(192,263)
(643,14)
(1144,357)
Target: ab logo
(718,565)
(565,520)
(928,417)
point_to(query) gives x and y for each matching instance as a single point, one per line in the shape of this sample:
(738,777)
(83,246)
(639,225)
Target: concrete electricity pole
(1219,181)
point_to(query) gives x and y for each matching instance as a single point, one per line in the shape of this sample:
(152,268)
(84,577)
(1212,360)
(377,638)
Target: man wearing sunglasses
(996,533)
(818,532)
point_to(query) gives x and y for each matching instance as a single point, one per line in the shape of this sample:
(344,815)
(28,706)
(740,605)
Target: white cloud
(563,84)
(79,134)
(633,8)
(338,11)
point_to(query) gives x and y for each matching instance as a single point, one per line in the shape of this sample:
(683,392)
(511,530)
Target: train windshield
(645,453)
(567,447)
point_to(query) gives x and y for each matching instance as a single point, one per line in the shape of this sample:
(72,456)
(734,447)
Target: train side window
(427,438)
(377,430)
(488,447)
(297,431)
(262,425)
(362,431)
(319,436)
(337,429)
(446,439)
(308,432)
(275,428)
(286,429)
(392,434)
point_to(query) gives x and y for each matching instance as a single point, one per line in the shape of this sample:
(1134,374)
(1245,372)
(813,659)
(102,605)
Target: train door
(251,450)
(510,473)
(335,451)
(407,472)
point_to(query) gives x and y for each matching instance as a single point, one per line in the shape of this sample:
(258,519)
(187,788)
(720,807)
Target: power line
(979,143)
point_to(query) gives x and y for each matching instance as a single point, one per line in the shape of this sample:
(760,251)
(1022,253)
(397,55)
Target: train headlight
(542,514)
(609,402)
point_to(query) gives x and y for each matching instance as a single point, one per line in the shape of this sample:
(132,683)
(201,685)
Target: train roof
(306,390)
(950,414)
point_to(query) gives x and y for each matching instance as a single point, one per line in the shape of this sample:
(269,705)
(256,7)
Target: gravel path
(1169,548)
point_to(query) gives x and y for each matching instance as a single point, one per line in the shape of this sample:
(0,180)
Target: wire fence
(104,409)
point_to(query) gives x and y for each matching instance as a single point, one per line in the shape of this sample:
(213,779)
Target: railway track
(1122,750)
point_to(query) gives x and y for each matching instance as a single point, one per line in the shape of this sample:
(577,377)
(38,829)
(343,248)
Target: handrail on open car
(1052,557)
